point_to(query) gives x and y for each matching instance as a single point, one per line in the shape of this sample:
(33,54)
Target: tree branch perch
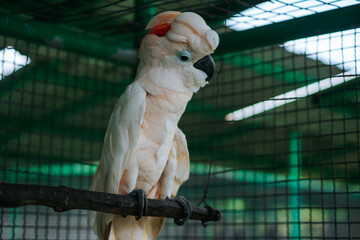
(63,198)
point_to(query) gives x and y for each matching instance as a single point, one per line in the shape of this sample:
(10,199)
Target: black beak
(207,65)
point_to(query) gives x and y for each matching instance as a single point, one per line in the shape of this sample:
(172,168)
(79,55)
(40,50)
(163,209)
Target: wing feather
(120,143)
(122,136)
(183,161)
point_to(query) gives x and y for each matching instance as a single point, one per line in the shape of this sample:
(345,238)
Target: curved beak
(207,65)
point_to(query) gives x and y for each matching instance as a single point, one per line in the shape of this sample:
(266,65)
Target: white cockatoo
(143,147)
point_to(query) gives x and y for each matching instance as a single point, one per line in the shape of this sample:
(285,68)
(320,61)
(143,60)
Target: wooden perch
(63,198)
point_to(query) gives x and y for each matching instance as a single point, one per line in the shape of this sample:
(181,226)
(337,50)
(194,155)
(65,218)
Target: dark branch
(65,198)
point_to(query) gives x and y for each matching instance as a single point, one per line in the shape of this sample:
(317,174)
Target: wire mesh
(280,123)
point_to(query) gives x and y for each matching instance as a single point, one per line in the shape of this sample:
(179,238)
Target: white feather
(119,145)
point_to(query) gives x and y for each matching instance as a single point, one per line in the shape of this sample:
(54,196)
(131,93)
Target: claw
(187,208)
(141,195)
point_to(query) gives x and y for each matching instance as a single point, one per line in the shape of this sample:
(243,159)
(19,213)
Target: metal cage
(274,138)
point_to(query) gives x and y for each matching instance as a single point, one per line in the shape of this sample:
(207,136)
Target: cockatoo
(143,146)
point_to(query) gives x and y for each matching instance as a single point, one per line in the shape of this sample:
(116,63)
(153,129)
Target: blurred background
(277,128)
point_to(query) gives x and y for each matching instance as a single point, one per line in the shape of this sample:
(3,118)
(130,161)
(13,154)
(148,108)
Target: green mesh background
(291,172)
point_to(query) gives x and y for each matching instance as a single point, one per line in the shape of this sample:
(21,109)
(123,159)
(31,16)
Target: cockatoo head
(180,44)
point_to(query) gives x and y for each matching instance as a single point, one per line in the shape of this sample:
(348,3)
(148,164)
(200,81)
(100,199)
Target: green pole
(294,184)
(145,10)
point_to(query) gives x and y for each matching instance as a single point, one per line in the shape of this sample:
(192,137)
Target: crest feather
(160,30)
(164,17)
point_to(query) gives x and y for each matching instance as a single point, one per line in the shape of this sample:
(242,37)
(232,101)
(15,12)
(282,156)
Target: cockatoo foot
(187,209)
(142,200)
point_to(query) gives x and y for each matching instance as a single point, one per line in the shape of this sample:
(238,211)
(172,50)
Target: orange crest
(160,30)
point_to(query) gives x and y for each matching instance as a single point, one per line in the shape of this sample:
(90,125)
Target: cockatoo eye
(184,56)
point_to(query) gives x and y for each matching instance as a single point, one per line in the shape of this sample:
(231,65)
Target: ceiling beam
(278,33)
(108,49)
(58,36)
